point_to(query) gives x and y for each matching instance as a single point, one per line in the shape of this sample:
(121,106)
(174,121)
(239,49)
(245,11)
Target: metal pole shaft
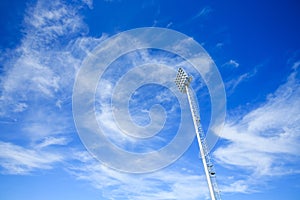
(210,186)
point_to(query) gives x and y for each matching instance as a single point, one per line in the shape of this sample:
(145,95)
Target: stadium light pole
(183,83)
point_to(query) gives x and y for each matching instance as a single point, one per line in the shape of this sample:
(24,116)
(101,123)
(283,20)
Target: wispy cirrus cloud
(115,85)
(265,139)
(231,63)
(15,159)
(36,86)
(204,12)
(49,141)
(43,65)
(177,183)
(232,84)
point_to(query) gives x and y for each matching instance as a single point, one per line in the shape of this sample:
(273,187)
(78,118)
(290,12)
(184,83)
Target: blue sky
(43,45)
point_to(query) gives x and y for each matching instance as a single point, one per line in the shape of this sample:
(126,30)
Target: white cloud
(42,121)
(15,159)
(230,63)
(36,85)
(48,20)
(239,186)
(266,138)
(41,67)
(233,83)
(49,141)
(121,84)
(163,184)
(204,12)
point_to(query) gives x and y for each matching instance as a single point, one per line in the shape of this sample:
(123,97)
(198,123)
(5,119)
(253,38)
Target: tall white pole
(202,152)
(183,81)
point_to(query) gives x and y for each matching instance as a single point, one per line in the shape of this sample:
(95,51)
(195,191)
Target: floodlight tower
(183,82)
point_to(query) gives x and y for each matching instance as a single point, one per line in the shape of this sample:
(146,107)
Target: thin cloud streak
(164,184)
(266,138)
(15,159)
(235,82)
